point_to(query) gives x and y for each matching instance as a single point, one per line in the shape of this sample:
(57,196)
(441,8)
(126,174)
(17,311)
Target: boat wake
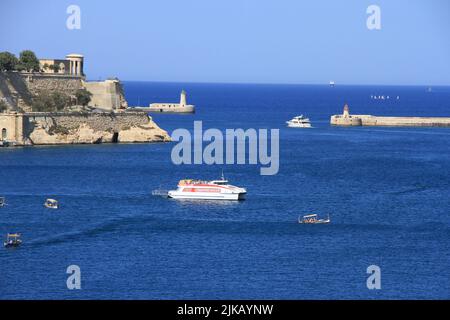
(160,193)
(144,225)
(110,226)
(408,191)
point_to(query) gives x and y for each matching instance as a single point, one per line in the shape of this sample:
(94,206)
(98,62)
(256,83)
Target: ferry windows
(215,190)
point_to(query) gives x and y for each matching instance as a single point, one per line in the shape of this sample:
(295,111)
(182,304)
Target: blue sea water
(386,190)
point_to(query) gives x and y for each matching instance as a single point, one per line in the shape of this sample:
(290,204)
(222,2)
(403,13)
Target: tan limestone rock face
(41,136)
(85,134)
(95,128)
(82,135)
(149,132)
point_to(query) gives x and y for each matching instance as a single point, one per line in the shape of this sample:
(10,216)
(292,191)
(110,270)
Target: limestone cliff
(92,128)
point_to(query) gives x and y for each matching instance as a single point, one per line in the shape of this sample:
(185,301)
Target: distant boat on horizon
(332,84)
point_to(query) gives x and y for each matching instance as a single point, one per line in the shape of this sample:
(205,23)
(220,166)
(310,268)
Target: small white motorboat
(2,202)
(12,240)
(51,204)
(299,122)
(313,219)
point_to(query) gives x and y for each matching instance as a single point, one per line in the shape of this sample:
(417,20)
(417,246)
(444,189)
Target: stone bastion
(43,128)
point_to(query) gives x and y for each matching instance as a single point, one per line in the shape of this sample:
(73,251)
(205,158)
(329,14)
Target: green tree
(20,67)
(59,100)
(54,67)
(29,61)
(42,102)
(47,101)
(83,97)
(8,61)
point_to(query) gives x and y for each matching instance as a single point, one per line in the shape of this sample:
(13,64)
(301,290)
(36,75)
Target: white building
(181,107)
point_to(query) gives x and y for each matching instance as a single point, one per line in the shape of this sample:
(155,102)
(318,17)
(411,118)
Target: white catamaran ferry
(207,190)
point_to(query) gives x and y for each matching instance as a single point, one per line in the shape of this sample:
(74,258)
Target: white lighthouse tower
(181,107)
(183,99)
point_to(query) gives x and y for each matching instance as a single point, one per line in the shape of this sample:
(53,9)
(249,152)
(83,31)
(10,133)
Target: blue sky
(258,41)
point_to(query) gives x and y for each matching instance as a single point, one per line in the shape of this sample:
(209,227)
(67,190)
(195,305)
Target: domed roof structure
(74,55)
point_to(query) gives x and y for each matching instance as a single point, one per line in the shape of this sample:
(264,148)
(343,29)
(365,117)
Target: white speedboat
(207,190)
(51,204)
(299,122)
(313,219)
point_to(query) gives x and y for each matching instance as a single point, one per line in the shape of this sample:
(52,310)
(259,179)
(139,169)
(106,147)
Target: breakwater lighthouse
(346,119)
(346,113)
(183,99)
(181,107)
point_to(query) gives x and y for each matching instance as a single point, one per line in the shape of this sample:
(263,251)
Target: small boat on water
(207,190)
(313,219)
(299,122)
(4,143)
(2,202)
(12,240)
(51,204)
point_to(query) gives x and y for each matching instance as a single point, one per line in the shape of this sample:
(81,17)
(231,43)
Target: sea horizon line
(281,84)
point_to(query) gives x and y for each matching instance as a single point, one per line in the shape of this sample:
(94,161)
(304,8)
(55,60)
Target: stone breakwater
(36,128)
(369,120)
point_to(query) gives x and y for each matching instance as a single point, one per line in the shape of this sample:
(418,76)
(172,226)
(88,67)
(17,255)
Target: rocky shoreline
(44,128)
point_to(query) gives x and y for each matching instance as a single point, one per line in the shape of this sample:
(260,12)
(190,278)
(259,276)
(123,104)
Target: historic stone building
(72,65)
(18,88)
(19,125)
(11,128)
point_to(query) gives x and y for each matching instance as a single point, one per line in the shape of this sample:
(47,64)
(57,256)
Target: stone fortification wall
(52,82)
(18,88)
(113,122)
(106,94)
(37,128)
